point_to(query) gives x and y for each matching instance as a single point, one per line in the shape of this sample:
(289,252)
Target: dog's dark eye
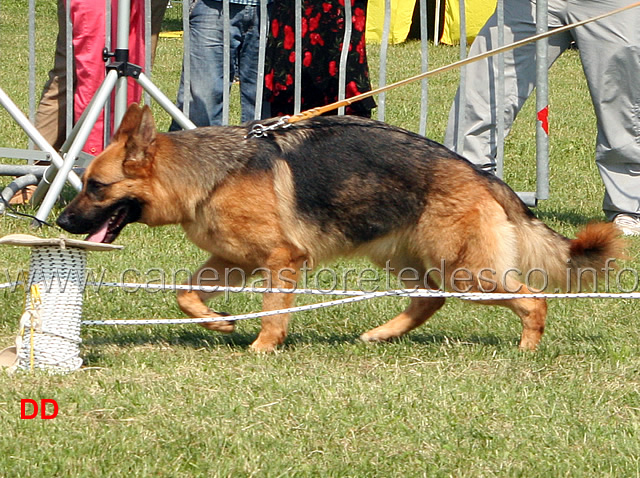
(95,188)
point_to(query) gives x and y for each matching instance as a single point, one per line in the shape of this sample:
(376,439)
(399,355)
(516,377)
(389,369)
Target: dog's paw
(371,336)
(262,347)
(224,326)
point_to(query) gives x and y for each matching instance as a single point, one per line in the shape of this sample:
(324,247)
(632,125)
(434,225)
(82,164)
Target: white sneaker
(629,224)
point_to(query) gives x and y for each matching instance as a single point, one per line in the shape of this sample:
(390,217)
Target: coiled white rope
(50,328)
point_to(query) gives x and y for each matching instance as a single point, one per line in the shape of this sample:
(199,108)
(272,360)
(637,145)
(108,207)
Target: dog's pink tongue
(99,235)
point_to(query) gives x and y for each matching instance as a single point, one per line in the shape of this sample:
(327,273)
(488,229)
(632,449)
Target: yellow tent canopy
(476,12)
(401,15)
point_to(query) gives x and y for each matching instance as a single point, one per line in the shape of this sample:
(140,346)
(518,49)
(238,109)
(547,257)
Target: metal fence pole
(297,73)
(148,46)
(424,66)
(384,47)
(542,103)
(122,43)
(459,139)
(344,54)
(69,68)
(226,61)
(32,64)
(500,97)
(186,62)
(436,27)
(262,50)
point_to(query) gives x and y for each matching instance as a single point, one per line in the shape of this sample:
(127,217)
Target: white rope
(9,285)
(355,296)
(233,318)
(393,292)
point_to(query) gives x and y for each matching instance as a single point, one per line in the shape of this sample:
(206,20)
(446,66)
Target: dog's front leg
(282,271)
(274,327)
(214,272)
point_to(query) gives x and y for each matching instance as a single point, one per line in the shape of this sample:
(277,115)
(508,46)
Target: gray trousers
(610,55)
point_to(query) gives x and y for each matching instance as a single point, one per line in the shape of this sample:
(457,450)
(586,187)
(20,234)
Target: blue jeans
(206,55)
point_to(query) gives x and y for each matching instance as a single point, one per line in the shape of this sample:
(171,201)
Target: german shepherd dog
(323,188)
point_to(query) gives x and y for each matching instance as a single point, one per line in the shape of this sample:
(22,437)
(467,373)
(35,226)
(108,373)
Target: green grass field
(453,398)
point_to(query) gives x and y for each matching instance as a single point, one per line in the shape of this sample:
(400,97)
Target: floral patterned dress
(322,36)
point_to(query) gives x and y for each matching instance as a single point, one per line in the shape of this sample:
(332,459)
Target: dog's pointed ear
(140,144)
(130,122)
(146,133)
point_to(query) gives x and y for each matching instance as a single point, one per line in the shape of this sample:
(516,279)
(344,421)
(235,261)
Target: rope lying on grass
(353,296)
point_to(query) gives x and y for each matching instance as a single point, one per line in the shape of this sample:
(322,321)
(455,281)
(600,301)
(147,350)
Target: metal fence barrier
(39,149)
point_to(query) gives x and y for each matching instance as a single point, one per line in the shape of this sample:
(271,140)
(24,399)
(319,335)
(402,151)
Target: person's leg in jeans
(207,49)
(206,68)
(247,58)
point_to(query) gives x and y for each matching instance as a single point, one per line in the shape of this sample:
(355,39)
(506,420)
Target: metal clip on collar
(260,131)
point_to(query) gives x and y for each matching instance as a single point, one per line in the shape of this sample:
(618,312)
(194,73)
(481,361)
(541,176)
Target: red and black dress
(322,36)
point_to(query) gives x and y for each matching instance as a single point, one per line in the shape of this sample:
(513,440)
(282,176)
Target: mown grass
(453,398)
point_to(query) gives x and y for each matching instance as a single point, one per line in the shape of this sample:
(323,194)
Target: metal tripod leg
(36,137)
(52,170)
(81,133)
(92,114)
(168,105)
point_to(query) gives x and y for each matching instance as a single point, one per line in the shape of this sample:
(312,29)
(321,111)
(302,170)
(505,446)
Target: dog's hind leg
(420,309)
(532,312)
(214,272)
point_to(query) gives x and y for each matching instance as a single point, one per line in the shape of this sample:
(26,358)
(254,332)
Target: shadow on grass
(172,24)
(190,337)
(568,217)
(437,339)
(194,338)
(180,337)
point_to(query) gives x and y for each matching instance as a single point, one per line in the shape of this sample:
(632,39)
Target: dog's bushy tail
(594,245)
(578,264)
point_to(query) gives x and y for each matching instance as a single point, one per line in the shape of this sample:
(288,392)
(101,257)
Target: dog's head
(116,184)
